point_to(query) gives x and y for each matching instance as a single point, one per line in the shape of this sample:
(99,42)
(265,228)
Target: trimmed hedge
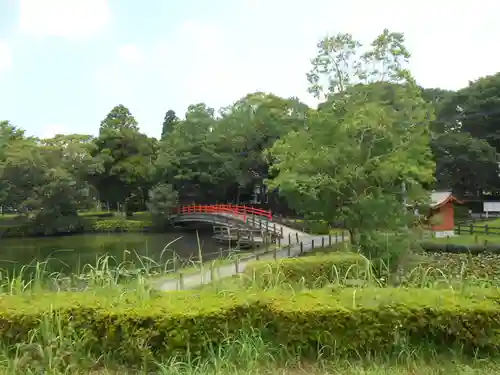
(97,214)
(344,322)
(457,249)
(312,271)
(83,225)
(121,225)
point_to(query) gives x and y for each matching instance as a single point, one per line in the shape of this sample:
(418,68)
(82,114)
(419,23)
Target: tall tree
(349,161)
(187,157)
(464,138)
(476,109)
(127,158)
(119,118)
(168,123)
(465,164)
(36,182)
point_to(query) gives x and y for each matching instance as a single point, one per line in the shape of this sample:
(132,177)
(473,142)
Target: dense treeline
(374,132)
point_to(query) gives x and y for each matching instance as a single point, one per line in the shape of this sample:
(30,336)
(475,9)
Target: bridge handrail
(233,209)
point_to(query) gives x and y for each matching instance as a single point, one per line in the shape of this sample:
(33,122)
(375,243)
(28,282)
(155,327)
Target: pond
(70,254)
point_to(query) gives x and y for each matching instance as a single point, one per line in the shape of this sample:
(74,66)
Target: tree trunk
(353,236)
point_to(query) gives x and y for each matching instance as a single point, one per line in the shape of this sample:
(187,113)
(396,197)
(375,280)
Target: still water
(69,254)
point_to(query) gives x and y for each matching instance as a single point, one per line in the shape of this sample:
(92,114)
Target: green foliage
(168,123)
(83,223)
(97,214)
(382,123)
(119,118)
(457,248)
(464,163)
(314,271)
(374,131)
(387,250)
(127,158)
(317,227)
(344,322)
(162,200)
(481,266)
(120,225)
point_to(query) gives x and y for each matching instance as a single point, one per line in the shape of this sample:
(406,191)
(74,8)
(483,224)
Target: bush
(386,250)
(345,322)
(313,271)
(480,268)
(317,227)
(457,249)
(75,225)
(120,225)
(17,230)
(97,214)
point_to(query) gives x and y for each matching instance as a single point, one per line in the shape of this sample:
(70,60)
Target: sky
(65,63)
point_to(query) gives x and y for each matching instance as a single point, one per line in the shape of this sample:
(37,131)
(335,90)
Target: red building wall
(446,215)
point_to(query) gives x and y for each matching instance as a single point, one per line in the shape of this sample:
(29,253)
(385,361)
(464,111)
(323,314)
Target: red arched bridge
(224,214)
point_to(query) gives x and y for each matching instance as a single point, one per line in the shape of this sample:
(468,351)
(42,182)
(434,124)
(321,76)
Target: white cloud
(72,19)
(5,56)
(131,53)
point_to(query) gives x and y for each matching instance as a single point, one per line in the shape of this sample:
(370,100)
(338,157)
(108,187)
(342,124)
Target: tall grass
(54,350)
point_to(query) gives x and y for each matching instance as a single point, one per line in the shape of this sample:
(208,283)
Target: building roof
(439,198)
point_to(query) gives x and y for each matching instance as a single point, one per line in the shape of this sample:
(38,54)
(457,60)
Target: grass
(52,351)
(247,354)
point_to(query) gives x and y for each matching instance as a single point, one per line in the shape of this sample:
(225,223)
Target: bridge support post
(237,264)
(181,281)
(289,238)
(297,236)
(213,277)
(301,247)
(312,244)
(322,242)
(329,240)
(281,232)
(289,249)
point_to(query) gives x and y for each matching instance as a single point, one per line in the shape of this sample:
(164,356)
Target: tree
(475,109)
(248,128)
(465,164)
(350,160)
(119,118)
(162,199)
(35,183)
(168,123)
(127,158)
(464,138)
(187,157)
(74,152)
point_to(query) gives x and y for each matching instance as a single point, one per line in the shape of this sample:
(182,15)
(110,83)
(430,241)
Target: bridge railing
(233,209)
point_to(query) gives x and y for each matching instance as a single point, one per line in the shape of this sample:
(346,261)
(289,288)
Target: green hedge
(457,249)
(85,225)
(313,271)
(348,321)
(120,225)
(97,214)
